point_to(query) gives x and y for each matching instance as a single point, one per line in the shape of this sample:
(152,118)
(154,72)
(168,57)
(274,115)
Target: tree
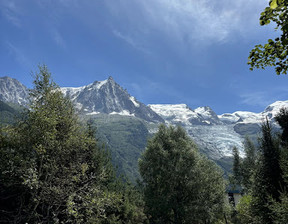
(268,180)
(180,186)
(237,178)
(264,176)
(274,52)
(282,119)
(244,168)
(52,169)
(248,164)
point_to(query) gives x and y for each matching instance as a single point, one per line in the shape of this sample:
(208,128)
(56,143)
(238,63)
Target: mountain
(8,113)
(124,124)
(213,137)
(12,91)
(108,97)
(216,135)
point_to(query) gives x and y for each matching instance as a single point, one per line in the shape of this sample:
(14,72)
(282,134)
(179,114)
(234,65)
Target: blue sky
(161,51)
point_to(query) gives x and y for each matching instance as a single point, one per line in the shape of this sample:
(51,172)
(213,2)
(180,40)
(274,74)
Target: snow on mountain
(241,116)
(11,90)
(217,135)
(110,98)
(175,113)
(212,136)
(250,117)
(208,115)
(273,109)
(183,115)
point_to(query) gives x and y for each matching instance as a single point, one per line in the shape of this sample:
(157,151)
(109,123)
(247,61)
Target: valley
(124,124)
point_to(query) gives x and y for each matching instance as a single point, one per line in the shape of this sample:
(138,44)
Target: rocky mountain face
(109,98)
(12,91)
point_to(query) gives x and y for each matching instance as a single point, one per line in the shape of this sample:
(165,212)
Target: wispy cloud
(149,91)
(58,38)
(264,98)
(256,99)
(131,41)
(10,11)
(18,55)
(189,21)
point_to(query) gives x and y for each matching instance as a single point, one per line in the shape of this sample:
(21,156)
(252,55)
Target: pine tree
(268,176)
(237,177)
(248,165)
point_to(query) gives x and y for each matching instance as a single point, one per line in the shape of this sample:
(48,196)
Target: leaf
(273,4)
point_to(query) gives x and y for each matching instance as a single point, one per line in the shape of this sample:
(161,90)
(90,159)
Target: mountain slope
(217,135)
(12,91)
(8,114)
(213,137)
(108,97)
(124,123)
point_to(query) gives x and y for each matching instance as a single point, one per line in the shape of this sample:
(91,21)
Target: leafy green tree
(243,208)
(275,52)
(52,169)
(180,186)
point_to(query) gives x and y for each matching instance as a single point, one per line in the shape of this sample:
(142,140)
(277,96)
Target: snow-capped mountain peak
(215,134)
(110,98)
(174,113)
(182,114)
(11,90)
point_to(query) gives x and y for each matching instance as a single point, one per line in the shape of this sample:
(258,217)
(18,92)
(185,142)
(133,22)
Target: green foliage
(264,176)
(274,52)
(180,186)
(52,169)
(244,168)
(280,209)
(237,168)
(282,120)
(248,164)
(244,214)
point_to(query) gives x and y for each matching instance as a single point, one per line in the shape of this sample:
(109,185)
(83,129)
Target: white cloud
(256,99)
(131,41)
(57,37)
(264,98)
(188,21)
(18,55)
(11,12)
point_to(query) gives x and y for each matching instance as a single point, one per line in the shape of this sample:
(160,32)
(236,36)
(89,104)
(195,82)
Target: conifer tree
(268,176)
(248,165)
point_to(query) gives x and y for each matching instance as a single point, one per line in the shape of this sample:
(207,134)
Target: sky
(162,51)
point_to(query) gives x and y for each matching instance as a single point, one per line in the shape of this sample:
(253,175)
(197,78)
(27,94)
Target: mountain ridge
(215,134)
